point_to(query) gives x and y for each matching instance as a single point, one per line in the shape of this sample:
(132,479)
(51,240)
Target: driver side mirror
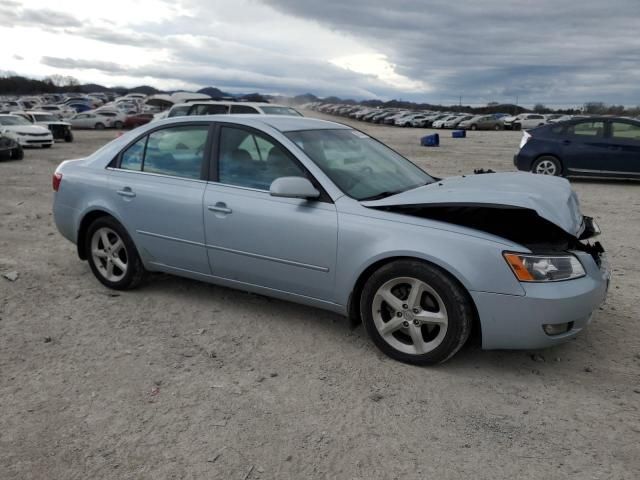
(293,187)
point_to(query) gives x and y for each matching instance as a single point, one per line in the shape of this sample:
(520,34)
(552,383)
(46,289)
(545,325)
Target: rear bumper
(516,322)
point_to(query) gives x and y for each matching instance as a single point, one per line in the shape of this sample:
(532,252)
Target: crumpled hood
(550,197)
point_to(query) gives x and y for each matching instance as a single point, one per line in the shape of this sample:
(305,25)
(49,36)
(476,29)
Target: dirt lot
(184,380)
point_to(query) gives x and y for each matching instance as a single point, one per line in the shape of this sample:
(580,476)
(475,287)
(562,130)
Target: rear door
(285,244)
(584,147)
(157,186)
(624,147)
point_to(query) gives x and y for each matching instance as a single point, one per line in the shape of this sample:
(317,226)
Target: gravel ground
(183,380)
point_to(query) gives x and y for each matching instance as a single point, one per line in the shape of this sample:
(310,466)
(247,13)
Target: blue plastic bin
(459,134)
(430,140)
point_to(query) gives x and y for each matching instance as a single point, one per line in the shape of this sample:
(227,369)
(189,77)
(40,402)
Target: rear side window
(179,111)
(586,129)
(176,151)
(204,109)
(132,156)
(625,131)
(243,109)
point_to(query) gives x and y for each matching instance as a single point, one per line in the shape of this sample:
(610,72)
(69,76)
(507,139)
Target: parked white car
(59,129)
(524,121)
(63,112)
(91,120)
(117,116)
(24,132)
(440,123)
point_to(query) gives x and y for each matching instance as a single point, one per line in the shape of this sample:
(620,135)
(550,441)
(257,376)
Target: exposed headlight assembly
(544,268)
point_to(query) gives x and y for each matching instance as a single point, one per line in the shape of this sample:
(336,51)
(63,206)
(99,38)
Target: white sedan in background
(24,132)
(91,120)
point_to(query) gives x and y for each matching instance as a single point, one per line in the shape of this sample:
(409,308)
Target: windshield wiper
(381,195)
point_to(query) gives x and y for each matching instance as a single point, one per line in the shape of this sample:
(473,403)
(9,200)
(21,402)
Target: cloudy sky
(558,52)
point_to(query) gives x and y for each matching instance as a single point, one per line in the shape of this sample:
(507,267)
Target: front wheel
(17,153)
(474,127)
(99,126)
(112,256)
(416,313)
(68,137)
(497,127)
(547,165)
(117,124)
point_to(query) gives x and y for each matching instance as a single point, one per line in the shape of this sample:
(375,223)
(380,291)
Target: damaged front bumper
(516,322)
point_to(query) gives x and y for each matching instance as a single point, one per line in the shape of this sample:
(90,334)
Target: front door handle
(126,192)
(220,207)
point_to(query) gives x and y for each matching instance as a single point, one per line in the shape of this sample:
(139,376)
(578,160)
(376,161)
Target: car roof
(282,123)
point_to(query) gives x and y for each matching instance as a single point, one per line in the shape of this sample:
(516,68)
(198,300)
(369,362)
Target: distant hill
(145,89)
(214,92)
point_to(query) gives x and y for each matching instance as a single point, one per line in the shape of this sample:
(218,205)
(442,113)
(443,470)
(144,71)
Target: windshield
(13,121)
(280,111)
(45,118)
(360,166)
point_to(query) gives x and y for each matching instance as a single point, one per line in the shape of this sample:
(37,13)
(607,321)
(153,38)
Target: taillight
(57,178)
(525,138)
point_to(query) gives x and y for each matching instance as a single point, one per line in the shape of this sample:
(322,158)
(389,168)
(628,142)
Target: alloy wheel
(410,315)
(109,254)
(546,167)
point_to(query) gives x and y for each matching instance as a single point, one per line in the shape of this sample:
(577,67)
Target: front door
(158,188)
(624,144)
(284,244)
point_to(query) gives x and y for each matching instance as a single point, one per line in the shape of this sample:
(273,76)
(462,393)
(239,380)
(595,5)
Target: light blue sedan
(319,213)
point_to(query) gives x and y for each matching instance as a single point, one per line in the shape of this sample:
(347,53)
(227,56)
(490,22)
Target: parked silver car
(322,214)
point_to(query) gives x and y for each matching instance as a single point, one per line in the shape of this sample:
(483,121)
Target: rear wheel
(112,256)
(416,313)
(474,127)
(99,126)
(68,137)
(497,127)
(547,165)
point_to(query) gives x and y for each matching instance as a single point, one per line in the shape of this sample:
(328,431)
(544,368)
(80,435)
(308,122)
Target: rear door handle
(126,192)
(220,207)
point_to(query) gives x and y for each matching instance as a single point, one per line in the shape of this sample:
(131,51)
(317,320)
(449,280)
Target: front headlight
(544,268)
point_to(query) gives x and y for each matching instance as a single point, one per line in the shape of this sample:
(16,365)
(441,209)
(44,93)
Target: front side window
(586,129)
(176,151)
(252,160)
(13,120)
(625,131)
(359,165)
(45,118)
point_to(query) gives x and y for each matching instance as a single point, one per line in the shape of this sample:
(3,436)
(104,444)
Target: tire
(547,165)
(474,127)
(118,125)
(516,126)
(68,137)
(428,332)
(497,127)
(119,257)
(17,153)
(99,126)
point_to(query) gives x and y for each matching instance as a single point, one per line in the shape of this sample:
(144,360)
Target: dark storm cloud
(70,63)
(557,51)
(12,14)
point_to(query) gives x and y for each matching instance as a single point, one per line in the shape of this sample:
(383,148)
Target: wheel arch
(554,156)
(87,219)
(353,306)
